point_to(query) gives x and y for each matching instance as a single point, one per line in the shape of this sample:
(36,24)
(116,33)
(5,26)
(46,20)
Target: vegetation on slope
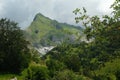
(46,32)
(98,59)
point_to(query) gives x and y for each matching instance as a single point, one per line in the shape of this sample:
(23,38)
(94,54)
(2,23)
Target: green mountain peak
(44,31)
(40,16)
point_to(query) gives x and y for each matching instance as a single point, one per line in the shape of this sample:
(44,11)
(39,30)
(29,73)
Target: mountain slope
(46,32)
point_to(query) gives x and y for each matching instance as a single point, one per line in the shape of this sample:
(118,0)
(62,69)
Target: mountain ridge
(44,31)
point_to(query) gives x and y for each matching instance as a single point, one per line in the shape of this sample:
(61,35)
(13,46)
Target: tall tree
(103,34)
(14,51)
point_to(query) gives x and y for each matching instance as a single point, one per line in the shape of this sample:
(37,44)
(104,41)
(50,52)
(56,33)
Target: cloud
(104,6)
(23,11)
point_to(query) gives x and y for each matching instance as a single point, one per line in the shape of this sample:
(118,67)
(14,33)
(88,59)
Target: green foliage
(14,51)
(46,32)
(35,56)
(110,69)
(76,57)
(67,75)
(103,36)
(54,66)
(103,33)
(97,58)
(101,47)
(37,73)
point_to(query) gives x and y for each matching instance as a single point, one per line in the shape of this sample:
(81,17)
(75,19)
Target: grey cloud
(23,11)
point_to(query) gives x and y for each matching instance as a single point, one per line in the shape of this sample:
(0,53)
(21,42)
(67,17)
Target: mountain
(44,31)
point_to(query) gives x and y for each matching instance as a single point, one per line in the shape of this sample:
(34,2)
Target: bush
(67,75)
(54,66)
(37,73)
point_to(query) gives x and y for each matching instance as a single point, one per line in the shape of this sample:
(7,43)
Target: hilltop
(44,31)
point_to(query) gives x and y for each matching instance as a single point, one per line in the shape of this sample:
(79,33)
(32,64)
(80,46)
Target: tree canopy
(14,51)
(102,45)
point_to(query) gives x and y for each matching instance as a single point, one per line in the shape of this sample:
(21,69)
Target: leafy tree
(101,46)
(103,36)
(67,75)
(14,51)
(35,56)
(72,62)
(102,32)
(37,73)
(54,66)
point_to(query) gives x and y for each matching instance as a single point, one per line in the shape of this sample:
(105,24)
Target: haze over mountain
(23,11)
(44,31)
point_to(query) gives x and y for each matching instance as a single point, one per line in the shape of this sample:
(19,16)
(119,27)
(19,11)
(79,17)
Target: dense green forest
(95,58)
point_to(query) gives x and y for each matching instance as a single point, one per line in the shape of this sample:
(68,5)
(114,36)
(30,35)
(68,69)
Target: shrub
(37,73)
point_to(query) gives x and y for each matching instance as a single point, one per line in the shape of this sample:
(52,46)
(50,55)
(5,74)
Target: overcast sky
(23,11)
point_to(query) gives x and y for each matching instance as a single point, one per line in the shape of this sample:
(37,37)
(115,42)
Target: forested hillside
(97,57)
